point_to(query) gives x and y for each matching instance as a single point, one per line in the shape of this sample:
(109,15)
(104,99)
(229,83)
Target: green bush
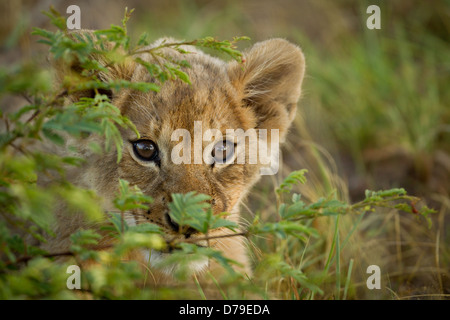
(28,272)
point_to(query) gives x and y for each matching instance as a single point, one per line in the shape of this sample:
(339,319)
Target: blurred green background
(375,110)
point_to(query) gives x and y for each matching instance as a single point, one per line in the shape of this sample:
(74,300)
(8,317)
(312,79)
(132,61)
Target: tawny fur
(261,93)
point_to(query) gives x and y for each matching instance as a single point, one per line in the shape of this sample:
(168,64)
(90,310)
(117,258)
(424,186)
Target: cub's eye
(145,150)
(223,151)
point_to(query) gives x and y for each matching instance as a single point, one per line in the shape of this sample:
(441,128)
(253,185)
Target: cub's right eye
(145,150)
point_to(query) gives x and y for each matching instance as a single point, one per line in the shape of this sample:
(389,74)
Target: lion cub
(259,94)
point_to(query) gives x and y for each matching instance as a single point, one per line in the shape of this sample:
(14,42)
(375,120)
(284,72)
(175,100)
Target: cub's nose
(186,231)
(171,223)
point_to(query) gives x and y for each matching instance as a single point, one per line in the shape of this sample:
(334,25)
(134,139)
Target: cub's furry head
(170,157)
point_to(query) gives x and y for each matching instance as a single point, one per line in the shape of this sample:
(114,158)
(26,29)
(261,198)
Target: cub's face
(189,133)
(174,154)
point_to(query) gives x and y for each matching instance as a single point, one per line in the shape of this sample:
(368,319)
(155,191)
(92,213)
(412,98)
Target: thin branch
(207,238)
(169,243)
(53,255)
(24,95)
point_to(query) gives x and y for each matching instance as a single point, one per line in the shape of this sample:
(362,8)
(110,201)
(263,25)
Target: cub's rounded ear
(269,82)
(69,70)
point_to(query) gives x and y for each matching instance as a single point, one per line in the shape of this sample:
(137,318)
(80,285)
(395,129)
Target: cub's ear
(269,82)
(70,70)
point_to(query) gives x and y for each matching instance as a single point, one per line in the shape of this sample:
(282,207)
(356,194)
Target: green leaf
(53,136)
(189,210)
(292,179)
(134,240)
(130,198)
(117,221)
(146,228)
(84,238)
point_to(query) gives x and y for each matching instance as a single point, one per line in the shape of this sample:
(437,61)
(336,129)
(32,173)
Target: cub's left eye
(223,151)
(145,150)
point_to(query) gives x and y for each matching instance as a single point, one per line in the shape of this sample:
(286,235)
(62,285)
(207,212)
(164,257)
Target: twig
(53,255)
(245,234)
(169,243)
